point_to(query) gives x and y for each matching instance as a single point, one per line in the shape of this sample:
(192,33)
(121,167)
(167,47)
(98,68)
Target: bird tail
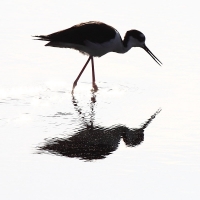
(41,37)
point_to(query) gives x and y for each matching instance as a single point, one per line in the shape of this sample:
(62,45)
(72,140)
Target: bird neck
(123,48)
(130,42)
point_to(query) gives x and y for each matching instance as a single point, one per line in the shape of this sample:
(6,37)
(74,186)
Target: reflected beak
(152,55)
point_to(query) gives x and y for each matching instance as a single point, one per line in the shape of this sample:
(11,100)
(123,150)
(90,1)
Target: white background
(35,85)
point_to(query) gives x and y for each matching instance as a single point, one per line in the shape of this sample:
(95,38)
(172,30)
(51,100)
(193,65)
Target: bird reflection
(93,142)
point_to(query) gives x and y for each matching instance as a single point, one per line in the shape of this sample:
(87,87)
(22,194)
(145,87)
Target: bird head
(135,38)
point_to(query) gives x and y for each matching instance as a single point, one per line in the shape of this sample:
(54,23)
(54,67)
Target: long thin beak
(152,55)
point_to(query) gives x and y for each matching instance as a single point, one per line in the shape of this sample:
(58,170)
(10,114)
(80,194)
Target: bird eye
(142,37)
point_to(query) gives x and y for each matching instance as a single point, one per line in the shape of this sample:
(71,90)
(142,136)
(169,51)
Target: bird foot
(95,88)
(74,85)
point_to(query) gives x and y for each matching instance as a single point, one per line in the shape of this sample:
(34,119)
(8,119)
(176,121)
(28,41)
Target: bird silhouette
(96,39)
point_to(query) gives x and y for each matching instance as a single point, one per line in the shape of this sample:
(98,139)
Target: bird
(95,39)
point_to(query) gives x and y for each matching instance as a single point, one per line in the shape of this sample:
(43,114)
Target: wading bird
(96,39)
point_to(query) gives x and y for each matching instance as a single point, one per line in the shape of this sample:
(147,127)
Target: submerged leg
(75,82)
(93,77)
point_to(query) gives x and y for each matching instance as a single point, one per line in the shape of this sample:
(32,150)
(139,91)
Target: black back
(96,32)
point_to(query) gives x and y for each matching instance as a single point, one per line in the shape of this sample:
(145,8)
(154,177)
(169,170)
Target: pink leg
(75,82)
(93,76)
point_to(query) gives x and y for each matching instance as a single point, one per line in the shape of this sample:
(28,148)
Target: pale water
(138,137)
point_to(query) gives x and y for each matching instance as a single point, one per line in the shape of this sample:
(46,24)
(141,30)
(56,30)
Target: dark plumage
(96,39)
(97,32)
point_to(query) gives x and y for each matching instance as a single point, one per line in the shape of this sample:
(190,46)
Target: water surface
(55,145)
